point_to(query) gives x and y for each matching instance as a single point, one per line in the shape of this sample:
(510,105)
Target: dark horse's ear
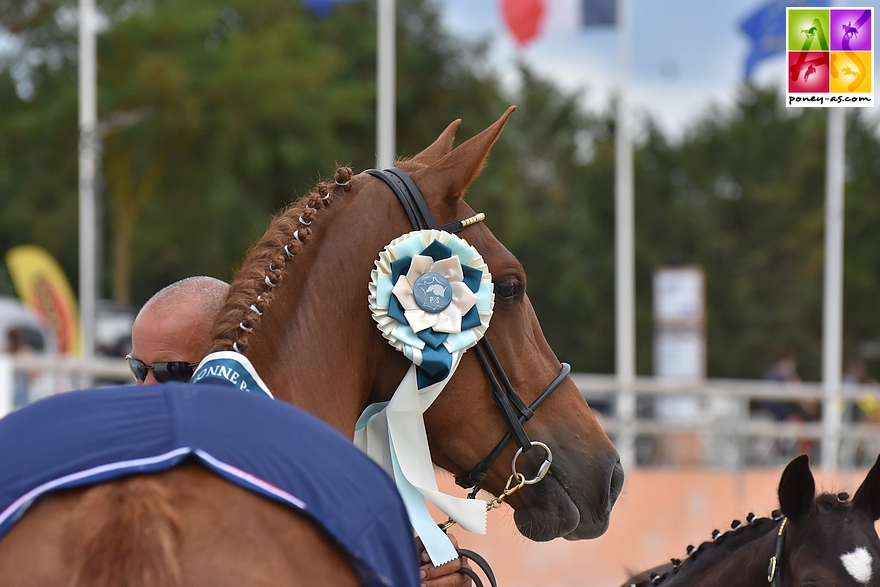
(797,489)
(450,176)
(867,498)
(439,148)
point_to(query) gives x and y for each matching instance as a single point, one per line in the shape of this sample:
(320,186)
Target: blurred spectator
(866,408)
(856,373)
(24,341)
(784,370)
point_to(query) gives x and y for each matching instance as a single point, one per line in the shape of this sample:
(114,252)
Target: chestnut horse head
(298,310)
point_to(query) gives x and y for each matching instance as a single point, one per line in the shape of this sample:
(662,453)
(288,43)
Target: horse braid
(126,536)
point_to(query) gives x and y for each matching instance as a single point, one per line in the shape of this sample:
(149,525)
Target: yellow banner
(44,288)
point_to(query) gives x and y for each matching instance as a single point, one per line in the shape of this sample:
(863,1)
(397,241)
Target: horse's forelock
(251,291)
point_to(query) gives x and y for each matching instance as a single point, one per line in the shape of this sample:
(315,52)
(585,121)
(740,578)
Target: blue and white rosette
(431,296)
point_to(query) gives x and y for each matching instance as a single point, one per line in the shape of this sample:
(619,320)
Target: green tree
(743,197)
(213,115)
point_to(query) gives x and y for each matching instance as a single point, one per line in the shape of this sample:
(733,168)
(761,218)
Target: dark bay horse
(811,541)
(298,310)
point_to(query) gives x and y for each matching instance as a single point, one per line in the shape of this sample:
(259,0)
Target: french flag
(529,19)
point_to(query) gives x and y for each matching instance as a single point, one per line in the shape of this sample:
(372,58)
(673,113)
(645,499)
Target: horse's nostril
(616,484)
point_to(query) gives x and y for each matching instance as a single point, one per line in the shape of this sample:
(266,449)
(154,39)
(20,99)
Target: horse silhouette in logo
(847,71)
(810,32)
(810,71)
(436,289)
(849,31)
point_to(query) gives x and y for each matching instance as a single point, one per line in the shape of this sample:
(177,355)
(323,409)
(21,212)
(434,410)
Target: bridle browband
(510,405)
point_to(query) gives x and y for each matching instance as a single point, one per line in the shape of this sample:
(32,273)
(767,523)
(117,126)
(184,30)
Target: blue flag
(599,12)
(322,7)
(766,28)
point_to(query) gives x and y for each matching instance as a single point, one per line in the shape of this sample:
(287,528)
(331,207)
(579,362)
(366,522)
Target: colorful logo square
(850,72)
(808,72)
(851,30)
(808,30)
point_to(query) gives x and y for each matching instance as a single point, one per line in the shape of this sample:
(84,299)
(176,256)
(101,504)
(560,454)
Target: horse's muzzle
(593,526)
(560,506)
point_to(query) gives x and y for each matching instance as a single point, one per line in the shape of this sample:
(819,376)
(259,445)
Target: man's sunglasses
(170,371)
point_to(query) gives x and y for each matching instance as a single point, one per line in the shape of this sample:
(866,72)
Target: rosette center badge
(432,292)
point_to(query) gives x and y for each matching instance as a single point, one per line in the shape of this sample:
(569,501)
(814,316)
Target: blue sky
(687,54)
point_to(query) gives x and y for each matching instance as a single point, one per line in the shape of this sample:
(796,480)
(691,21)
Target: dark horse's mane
(721,545)
(263,269)
(698,558)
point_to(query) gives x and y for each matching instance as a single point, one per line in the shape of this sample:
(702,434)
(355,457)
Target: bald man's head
(175,324)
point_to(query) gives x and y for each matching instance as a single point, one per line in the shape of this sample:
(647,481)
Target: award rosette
(431,296)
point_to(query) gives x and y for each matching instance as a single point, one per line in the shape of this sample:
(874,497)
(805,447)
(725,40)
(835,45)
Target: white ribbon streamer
(393,434)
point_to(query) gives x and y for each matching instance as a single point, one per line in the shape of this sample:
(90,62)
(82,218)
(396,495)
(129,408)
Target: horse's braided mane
(732,539)
(263,269)
(740,534)
(711,549)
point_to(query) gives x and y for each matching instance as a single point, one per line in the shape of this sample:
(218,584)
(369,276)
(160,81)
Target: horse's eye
(508,288)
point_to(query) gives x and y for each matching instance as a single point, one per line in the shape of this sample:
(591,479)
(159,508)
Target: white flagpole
(88,150)
(385,77)
(832,307)
(624,247)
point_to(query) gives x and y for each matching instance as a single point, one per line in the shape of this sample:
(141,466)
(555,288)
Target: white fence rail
(718,430)
(42,375)
(722,431)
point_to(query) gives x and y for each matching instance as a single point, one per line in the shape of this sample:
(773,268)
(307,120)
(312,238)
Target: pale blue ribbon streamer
(393,434)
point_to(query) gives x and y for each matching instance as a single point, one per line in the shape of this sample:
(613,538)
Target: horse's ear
(797,489)
(867,498)
(439,148)
(452,174)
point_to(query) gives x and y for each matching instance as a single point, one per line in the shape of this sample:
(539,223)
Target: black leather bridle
(773,576)
(510,405)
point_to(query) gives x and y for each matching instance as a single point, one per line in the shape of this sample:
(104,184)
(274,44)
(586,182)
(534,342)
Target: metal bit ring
(545,466)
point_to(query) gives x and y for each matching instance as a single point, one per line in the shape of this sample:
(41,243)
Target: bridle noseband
(510,405)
